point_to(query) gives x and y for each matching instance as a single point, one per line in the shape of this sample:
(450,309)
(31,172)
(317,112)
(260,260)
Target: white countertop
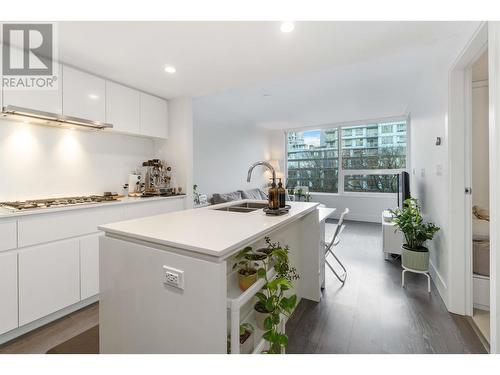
(324,213)
(5,213)
(206,230)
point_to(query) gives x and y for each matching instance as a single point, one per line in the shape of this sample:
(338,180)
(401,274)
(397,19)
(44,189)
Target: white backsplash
(38,161)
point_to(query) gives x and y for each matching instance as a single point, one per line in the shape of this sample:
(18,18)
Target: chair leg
(403,278)
(342,278)
(428,282)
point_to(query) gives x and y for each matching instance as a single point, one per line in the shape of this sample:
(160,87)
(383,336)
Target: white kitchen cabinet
(49,279)
(156,207)
(54,226)
(154,116)
(84,95)
(8,235)
(89,266)
(8,292)
(41,100)
(123,108)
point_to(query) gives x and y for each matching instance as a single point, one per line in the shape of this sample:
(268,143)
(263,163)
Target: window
(339,159)
(313,158)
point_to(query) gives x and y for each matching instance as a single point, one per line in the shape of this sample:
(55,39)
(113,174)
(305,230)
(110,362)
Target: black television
(403,187)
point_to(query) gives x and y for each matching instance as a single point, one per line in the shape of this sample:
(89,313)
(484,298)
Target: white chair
(331,242)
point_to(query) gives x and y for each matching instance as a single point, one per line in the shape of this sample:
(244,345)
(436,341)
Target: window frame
(349,172)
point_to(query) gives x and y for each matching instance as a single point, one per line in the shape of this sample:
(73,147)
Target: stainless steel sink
(243,207)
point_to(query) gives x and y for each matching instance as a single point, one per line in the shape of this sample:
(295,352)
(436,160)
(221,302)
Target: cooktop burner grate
(57,202)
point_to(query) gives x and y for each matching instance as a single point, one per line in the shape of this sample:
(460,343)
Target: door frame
(457,116)
(459,207)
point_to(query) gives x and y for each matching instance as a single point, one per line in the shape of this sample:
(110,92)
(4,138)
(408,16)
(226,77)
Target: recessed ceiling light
(287,27)
(170,69)
(93,96)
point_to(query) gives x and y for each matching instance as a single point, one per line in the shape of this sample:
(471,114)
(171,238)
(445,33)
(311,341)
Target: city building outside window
(348,159)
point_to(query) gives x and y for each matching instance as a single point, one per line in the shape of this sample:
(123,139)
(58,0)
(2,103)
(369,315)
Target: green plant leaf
(268,323)
(283,340)
(261,273)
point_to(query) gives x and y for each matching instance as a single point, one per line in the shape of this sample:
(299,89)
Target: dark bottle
(273,197)
(281,194)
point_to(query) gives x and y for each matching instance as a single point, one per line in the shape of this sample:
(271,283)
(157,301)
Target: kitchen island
(167,283)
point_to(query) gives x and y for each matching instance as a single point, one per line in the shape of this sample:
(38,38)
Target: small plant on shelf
(273,301)
(247,263)
(246,338)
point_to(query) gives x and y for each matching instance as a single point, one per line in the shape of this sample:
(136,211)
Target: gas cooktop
(58,202)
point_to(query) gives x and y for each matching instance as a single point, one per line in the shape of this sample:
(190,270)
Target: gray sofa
(237,195)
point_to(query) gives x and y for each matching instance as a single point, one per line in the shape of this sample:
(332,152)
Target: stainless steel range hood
(46,118)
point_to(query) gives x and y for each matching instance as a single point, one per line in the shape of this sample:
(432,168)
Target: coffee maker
(157,177)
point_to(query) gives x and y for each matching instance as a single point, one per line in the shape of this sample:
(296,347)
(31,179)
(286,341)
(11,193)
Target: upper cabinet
(41,100)
(123,108)
(154,116)
(84,95)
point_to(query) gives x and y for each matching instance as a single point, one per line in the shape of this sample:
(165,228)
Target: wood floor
(372,313)
(49,336)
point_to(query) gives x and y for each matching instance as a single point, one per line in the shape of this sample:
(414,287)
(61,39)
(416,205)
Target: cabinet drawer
(89,266)
(59,225)
(8,292)
(49,279)
(135,211)
(8,235)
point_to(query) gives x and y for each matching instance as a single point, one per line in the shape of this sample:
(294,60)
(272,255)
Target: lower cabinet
(89,266)
(39,279)
(49,279)
(8,292)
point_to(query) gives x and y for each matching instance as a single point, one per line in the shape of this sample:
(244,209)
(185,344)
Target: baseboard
(360,217)
(439,283)
(16,332)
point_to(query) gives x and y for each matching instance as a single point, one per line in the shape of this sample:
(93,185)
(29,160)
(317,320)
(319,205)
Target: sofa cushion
(253,194)
(227,197)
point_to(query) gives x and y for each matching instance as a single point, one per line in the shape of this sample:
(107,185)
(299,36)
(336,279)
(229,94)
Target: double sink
(243,207)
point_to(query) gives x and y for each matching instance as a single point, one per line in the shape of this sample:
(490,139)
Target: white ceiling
(215,56)
(322,72)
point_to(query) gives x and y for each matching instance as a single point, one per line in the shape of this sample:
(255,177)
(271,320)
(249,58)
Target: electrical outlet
(173,277)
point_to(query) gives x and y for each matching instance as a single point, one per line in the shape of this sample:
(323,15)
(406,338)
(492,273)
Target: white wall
(177,150)
(38,161)
(222,155)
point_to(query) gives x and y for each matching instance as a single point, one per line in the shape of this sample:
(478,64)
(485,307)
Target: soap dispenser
(273,196)
(281,194)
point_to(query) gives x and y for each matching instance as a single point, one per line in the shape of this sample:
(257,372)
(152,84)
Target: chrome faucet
(265,164)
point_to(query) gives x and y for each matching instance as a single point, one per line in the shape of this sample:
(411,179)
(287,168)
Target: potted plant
(247,267)
(414,255)
(273,300)
(246,338)
(277,257)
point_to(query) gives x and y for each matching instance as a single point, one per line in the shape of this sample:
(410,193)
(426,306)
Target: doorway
(478,200)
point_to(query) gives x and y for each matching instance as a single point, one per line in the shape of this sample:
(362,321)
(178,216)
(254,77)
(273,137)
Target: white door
(84,95)
(154,118)
(8,292)
(123,108)
(49,279)
(89,266)
(40,100)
